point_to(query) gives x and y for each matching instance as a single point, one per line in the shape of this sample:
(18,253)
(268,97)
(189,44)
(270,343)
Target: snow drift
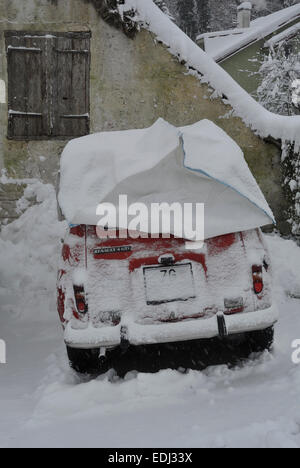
(195,164)
(29,252)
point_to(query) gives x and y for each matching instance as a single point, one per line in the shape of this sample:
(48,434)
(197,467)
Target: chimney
(244,15)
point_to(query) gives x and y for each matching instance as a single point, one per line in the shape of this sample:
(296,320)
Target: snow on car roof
(195,164)
(222,44)
(263,122)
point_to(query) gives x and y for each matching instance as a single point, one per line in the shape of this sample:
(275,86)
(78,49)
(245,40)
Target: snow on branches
(278,93)
(279,71)
(114,13)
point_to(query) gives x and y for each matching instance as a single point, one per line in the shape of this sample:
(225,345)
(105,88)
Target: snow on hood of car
(199,163)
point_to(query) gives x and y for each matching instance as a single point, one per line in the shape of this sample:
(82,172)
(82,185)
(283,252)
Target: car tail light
(78,231)
(234,306)
(257,274)
(80,298)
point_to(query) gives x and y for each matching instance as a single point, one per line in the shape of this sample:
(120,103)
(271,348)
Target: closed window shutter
(48,85)
(71,103)
(27,87)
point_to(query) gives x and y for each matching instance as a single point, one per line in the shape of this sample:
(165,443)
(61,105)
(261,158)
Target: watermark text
(2,352)
(296,353)
(156,220)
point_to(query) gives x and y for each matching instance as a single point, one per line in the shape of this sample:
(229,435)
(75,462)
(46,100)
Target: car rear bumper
(137,334)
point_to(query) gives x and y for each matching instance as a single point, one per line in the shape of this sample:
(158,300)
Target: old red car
(145,297)
(154,302)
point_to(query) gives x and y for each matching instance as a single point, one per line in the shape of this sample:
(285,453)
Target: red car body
(121,293)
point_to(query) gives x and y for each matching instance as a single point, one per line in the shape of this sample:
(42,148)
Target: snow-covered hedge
(279,71)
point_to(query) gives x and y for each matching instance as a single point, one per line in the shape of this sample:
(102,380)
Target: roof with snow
(264,123)
(245,6)
(223,44)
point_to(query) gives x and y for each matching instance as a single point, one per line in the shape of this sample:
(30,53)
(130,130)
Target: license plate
(169,284)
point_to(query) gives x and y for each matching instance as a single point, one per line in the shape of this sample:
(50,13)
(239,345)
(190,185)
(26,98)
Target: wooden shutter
(72,70)
(48,85)
(27,97)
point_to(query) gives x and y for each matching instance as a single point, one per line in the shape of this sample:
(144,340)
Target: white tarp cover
(195,164)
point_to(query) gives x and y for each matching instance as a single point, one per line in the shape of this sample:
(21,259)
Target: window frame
(51,108)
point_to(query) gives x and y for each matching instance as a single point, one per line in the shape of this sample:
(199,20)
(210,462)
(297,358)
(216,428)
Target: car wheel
(86,361)
(262,340)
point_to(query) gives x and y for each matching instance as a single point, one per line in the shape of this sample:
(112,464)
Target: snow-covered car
(149,303)
(175,295)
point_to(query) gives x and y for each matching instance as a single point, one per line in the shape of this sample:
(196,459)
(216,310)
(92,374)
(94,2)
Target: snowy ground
(42,403)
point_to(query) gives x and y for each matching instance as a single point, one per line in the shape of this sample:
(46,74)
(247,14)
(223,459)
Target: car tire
(86,361)
(259,341)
